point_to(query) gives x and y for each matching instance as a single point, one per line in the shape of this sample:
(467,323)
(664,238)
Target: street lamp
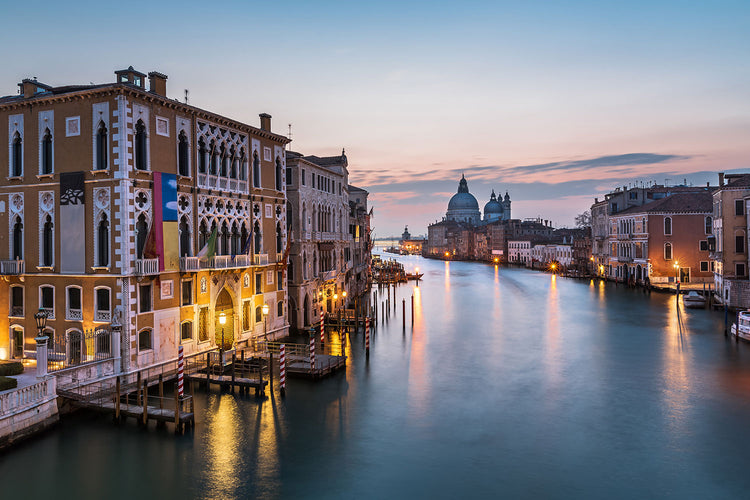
(41,343)
(265,322)
(222,321)
(677,275)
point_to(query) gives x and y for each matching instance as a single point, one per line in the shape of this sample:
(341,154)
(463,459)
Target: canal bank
(510,383)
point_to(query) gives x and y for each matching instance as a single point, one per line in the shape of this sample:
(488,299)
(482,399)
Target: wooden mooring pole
(145,402)
(403,313)
(117,399)
(412,309)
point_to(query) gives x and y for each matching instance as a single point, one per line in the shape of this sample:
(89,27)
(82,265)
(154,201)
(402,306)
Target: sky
(555,102)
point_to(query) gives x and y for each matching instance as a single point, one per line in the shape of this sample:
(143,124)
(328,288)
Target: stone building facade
(111,192)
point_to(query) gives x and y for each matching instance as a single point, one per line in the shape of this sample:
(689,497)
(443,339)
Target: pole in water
(367,337)
(403,313)
(282,369)
(322,328)
(180,371)
(412,309)
(312,354)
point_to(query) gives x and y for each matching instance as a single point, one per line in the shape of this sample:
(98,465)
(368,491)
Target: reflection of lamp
(222,321)
(265,321)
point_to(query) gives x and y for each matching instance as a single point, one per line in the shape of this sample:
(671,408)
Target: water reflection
(223,439)
(675,373)
(418,384)
(552,340)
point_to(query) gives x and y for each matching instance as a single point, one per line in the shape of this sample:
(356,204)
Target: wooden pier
(298,358)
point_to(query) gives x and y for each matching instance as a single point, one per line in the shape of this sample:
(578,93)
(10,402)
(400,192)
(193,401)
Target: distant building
(409,245)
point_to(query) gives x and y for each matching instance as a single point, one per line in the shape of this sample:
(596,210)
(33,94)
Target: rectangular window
(739,207)
(288,176)
(74,304)
(269,277)
(144,298)
(16,301)
(704,266)
(144,340)
(303,176)
(187,293)
(739,243)
(102,312)
(703,245)
(48,300)
(186,331)
(258,284)
(280,279)
(633,195)
(739,269)
(203,324)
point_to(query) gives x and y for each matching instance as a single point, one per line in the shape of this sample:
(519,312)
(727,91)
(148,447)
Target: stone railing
(16,400)
(190,264)
(241,260)
(328,275)
(144,267)
(260,259)
(12,267)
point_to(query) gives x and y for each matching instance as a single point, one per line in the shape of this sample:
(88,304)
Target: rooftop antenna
(290,131)
(186,95)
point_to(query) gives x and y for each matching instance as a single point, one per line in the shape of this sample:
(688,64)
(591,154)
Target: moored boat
(741,329)
(694,300)
(414,276)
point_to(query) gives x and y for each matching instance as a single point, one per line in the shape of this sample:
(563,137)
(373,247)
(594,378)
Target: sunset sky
(555,102)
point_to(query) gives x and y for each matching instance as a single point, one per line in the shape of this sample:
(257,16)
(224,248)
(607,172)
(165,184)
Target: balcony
(50,312)
(328,275)
(11,266)
(190,264)
(220,262)
(280,258)
(74,314)
(260,259)
(146,267)
(241,260)
(103,316)
(16,311)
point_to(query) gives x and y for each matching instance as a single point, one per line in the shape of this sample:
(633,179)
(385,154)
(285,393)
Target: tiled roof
(676,203)
(326,161)
(740,181)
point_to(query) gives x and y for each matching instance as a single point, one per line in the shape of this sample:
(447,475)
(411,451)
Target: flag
(248,244)
(149,247)
(209,248)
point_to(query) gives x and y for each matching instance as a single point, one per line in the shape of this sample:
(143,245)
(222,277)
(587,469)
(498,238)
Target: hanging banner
(72,223)
(165,221)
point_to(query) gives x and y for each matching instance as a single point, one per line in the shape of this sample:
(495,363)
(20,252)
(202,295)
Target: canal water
(510,383)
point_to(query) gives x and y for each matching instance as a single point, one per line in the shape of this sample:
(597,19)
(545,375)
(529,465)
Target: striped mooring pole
(282,369)
(367,336)
(312,353)
(180,372)
(322,327)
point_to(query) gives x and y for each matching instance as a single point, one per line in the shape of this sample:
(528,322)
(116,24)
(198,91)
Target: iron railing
(76,348)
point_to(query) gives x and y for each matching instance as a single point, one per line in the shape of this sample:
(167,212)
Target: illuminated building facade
(110,195)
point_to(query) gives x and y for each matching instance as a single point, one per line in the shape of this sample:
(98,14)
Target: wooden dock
(325,365)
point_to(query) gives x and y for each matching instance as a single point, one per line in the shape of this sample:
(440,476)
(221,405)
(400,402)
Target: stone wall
(27,410)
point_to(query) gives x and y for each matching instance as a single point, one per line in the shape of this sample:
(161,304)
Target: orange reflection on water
(418,391)
(224,438)
(676,377)
(552,337)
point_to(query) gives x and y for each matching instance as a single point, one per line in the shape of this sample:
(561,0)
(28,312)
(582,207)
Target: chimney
(721,179)
(265,122)
(158,83)
(28,88)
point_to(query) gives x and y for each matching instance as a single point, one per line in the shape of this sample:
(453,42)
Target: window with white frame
(704,266)
(667,226)
(144,298)
(47,300)
(269,277)
(145,341)
(187,292)
(102,306)
(16,301)
(73,301)
(15,147)
(186,331)
(667,251)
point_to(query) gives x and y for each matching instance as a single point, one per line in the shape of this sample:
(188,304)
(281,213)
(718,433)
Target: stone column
(41,356)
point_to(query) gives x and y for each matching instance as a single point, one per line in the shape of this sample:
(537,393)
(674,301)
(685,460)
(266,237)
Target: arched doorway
(226,331)
(306,311)
(638,273)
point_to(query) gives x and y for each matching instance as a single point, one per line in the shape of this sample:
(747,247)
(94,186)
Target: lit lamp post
(222,321)
(677,275)
(265,322)
(41,344)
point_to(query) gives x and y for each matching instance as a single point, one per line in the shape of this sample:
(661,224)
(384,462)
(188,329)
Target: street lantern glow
(265,309)
(335,296)
(447,254)
(222,319)
(343,294)
(41,319)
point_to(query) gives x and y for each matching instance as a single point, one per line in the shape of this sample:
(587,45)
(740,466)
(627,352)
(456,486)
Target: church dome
(493,206)
(463,199)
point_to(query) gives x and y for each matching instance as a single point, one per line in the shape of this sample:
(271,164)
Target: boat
(694,300)
(414,276)
(743,331)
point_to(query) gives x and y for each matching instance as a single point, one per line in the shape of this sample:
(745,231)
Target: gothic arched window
(256,170)
(102,242)
(182,155)
(141,228)
(17,159)
(185,237)
(257,243)
(46,152)
(18,240)
(101,147)
(201,156)
(141,160)
(47,237)
(279,248)
(279,180)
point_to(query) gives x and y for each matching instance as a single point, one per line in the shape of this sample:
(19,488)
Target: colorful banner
(72,223)
(165,221)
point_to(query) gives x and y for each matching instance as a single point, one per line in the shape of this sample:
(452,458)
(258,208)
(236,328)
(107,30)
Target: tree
(583,219)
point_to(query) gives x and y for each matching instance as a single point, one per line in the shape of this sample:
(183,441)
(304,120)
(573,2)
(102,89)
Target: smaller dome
(493,206)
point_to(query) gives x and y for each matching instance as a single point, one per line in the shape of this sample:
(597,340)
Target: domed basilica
(463,207)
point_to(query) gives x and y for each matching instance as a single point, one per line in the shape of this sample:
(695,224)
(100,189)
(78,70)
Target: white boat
(743,331)
(694,300)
